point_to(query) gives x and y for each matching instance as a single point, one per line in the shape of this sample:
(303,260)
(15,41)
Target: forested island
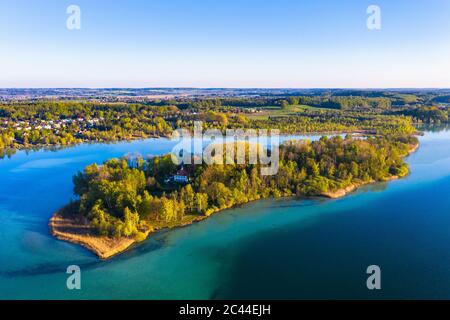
(124,200)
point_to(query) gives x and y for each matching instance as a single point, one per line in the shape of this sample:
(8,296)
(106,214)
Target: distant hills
(170,93)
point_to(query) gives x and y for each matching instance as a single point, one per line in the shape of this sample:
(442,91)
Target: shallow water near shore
(287,248)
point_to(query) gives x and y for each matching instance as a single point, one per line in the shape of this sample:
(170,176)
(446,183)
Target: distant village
(54,125)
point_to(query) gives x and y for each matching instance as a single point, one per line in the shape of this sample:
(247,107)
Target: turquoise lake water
(297,249)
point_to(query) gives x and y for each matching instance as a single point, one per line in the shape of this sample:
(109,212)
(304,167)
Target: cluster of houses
(54,125)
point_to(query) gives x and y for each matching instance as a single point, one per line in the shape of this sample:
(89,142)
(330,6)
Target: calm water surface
(268,249)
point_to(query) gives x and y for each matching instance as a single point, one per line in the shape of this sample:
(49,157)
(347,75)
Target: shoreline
(340,193)
(78,231)
(72,230)
(39,147)
(68,229)
(106,247)
(355,186)
(57,147)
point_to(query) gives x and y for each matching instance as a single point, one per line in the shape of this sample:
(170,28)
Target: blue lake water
(268,249)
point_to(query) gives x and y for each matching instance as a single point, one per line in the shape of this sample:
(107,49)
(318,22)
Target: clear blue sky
(229,43)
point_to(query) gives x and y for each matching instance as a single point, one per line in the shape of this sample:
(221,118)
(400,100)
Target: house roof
(182,172)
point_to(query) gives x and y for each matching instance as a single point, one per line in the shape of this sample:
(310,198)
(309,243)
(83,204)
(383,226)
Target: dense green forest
(65,123)
(431,115)
(125,197)
(337,121)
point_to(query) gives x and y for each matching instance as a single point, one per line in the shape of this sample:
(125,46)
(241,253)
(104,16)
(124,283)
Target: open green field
(276,111)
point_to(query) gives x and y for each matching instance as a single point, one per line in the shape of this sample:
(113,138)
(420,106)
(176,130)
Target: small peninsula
(123,201)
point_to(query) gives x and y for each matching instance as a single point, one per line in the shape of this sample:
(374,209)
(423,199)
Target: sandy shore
(343,192)
(75,230)
(79,232)
(414,148)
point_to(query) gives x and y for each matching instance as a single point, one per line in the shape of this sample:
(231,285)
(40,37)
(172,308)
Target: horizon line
(230,88)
